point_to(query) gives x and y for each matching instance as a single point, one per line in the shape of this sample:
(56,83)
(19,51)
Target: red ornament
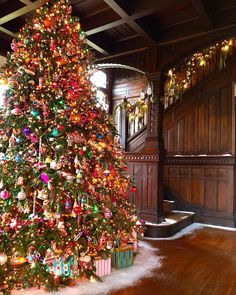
(61,127)
(77,210)
(51,223)
(134,189)
(81,152)
(47,23)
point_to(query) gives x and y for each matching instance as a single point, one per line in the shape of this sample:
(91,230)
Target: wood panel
(143,170)
(205,126)
(208,190)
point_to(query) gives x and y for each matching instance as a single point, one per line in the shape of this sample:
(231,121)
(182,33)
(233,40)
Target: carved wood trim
(141,158)
(200,160)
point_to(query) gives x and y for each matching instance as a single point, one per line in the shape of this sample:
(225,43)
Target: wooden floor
(203,263)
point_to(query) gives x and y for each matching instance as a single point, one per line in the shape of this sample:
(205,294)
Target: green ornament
(95,209)
(35,113)
(55,132)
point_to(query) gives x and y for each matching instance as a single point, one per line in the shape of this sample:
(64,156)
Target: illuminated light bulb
(170,73)
(202,62)
(225,48)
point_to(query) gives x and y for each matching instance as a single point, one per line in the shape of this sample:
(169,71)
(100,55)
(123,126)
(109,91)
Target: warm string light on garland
(137,108)
(194,68)
(63,182)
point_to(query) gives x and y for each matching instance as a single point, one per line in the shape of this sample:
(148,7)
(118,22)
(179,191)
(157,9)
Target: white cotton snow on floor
(189,230)
(144,263)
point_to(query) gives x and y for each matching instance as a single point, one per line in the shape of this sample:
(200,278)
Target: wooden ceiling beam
(97,47)
(19,12)
(138,29)
(137,50)
(26,2)
(105,27)
(7,32)
(202,13)
(148,7)
(196,35)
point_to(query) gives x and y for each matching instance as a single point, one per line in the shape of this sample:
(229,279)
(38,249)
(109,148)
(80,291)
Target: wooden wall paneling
(143,169)
(190,133)
(225,196)
(207,190)
(197,186)
(233,131)
(224,119)
(212,125)
(136,171)
(180,138)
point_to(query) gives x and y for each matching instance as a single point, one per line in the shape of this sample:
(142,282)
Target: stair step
(168,205)
(174,222)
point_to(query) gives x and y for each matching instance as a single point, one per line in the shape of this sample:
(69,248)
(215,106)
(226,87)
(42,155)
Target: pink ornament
(34,138)
(107,213)
(45,177)
(4,195)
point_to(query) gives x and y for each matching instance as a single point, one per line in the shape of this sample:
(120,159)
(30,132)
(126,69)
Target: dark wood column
(146,166)
(154,140)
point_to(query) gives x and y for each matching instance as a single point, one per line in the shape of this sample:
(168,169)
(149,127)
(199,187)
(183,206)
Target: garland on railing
(137,108)
(194,68)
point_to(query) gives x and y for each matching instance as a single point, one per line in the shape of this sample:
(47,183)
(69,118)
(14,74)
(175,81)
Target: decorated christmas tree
(63,182)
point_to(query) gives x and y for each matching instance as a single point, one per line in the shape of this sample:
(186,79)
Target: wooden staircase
(173,222)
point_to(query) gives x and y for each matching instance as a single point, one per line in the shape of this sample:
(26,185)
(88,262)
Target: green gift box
(122,257)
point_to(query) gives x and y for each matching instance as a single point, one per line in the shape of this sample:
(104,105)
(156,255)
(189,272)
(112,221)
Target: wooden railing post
(124,128)
(154,143)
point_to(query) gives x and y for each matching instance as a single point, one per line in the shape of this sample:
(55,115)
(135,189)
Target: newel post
(154,143)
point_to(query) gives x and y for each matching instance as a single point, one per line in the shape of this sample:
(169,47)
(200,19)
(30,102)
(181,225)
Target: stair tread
(173,217)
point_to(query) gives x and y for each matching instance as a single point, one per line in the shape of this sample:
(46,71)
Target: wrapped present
(122,257)
(103,266)
(65,268)
(134,244)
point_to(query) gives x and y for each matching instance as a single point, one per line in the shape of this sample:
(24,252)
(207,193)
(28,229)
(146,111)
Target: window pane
(102,100)
(99,79)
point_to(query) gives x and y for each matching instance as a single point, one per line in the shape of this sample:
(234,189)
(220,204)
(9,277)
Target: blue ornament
(100,136)
(55,132)
(18,158)
(35,113)
(19,140)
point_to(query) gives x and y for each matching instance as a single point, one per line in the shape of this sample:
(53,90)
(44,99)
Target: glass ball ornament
(19,140)
(77,210)
(134,189)
(18,158)
(95,209)
(45,178)
(53,165)
(21,195)
(3,258)
(26,131)
(4,195)
(55,132)
(34,112)
(100,136)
